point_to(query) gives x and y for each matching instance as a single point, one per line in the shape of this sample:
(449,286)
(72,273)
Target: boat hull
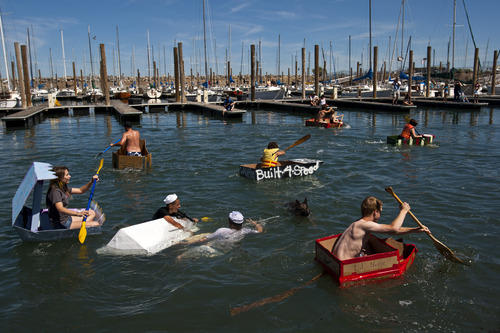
(122,161)
(324,124)
(392,259)
(285,169)
(396,140)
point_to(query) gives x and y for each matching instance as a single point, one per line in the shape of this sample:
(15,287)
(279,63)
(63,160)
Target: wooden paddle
(299,141)
(105,150)
(83,231)
(443,249)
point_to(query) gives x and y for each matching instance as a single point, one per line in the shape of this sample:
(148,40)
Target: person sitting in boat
(407,100)
(131,139)
(324,111)
(395,91)
(409,130)
(57,199)
(269,158)
(354,241)
(171,210)
(234,231)
(228,104)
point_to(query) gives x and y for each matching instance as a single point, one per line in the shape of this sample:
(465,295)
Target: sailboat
(120,92)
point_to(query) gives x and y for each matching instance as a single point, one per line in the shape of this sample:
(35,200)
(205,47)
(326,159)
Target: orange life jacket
(407,131)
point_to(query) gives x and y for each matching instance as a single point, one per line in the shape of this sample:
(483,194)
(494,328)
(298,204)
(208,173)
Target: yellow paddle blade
(57,103)
(100,166)
(83,233)
(206,219)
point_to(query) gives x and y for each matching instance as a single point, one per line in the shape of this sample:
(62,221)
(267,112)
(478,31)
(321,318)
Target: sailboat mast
(370,20)
(149,62)
(91,65)
(4,55)
(64,57)
(205,44)
(454,24)
(119,60)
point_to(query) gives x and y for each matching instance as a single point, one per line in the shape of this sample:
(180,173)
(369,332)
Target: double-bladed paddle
(443,249)
(83,231)
(105,150)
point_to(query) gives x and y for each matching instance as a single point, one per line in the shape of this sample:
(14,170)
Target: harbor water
(452,185)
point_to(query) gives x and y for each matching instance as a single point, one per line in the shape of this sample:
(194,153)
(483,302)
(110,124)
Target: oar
(83,231)
(443,249)
(105,150)
(299,141)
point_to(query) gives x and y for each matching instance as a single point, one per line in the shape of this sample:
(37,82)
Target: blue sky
(294,23)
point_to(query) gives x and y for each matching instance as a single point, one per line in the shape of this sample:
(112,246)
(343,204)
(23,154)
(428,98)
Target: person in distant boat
(269,158)
(354,241)
(172,210)
(407,100)
(324,111)
(446,92)
(228,104)
(409,130)
(234,231)
(57,199)
(396,88)
(477,88)
(131,139)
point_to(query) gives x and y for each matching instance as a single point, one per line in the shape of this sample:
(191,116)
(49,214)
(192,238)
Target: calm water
(452,186)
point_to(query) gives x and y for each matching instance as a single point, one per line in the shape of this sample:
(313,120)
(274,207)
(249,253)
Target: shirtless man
(353,242)
(131,139)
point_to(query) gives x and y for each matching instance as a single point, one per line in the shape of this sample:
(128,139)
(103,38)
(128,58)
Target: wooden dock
(293,106)
(27,117)
(371,104)
(216,110)
(125,111)
(450,104)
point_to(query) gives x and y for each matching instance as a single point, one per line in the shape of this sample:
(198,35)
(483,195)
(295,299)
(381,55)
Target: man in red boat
(354,241)
(323,112)
(131,139)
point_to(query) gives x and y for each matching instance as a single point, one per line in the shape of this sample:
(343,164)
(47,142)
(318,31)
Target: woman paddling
(58,197)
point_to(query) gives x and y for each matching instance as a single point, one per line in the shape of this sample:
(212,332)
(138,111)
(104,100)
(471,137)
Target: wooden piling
(138,83)
(375,58)
(27,89)
(428,80)
(494,70)
(181,73)
(20,75)
(303,73)
(475,68)
(104,86)
(176,74)
(13,76)
(410,74)
(74,79)
(252,71)
(316,69)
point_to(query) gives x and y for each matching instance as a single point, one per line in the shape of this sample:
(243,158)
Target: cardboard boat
(32,224)
(285,169)
(326,123)
(396,140)
(122,161)
(391,259)
(149,237)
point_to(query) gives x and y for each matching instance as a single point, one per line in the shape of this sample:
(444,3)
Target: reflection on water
(452,187)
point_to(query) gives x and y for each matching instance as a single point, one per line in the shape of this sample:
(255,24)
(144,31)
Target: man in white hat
(234,231)
(172,210)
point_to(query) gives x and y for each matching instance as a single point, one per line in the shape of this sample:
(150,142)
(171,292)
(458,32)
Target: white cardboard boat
(149,237)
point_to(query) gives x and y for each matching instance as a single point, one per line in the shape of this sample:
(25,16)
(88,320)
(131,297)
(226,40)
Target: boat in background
(391,259)
(33,224)
(10,99)
(285,169)
(326,123)
(122,161)
(397,140)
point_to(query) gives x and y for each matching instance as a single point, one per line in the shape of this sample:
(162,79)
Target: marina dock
(27,117)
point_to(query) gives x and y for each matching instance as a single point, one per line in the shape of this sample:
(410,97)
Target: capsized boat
(285,169)
(32,224)
(122,161)
(396,140)
(391,259)
(149,237)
